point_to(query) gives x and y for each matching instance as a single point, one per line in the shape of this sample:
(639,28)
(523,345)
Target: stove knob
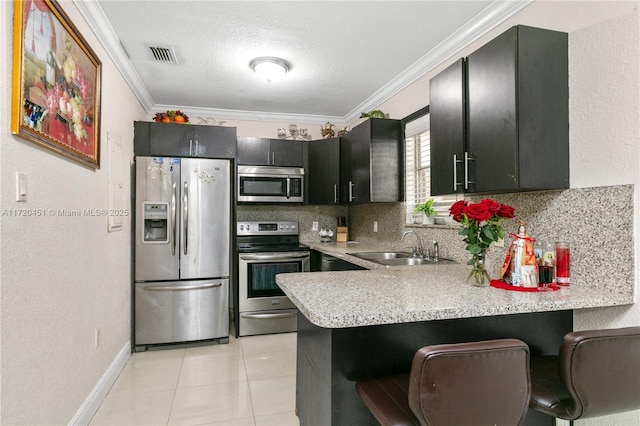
(242,227)
(248,227)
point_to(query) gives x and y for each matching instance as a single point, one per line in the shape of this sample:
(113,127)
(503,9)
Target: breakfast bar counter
(354,325)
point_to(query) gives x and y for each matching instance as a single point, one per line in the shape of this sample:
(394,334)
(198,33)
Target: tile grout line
(246,374)
(175,389)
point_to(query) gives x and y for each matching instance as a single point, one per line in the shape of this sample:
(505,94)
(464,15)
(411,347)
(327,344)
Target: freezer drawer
(181,311)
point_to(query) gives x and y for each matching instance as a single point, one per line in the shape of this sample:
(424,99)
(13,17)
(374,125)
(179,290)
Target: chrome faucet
(436,251)
(418,251)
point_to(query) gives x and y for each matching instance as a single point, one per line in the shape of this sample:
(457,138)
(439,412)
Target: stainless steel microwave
(270,184)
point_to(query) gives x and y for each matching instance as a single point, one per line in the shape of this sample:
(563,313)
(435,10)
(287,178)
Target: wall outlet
(96,342)
(375,226)
(314,226)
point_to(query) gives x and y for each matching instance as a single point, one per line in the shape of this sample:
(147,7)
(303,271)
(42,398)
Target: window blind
(418,170)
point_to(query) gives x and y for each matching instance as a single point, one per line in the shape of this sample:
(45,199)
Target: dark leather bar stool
(596,373)
(478,383)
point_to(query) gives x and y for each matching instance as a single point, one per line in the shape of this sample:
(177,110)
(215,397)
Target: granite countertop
(392,295)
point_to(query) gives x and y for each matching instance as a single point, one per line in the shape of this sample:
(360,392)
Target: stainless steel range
(266,249)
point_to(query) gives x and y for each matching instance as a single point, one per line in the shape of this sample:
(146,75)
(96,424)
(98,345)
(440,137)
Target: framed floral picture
(56,83)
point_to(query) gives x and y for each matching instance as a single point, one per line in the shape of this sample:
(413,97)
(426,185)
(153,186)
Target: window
(418,169)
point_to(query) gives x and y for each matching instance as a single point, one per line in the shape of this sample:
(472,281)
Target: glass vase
(479,277)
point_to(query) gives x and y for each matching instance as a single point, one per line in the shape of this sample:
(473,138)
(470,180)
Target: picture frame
(56,83)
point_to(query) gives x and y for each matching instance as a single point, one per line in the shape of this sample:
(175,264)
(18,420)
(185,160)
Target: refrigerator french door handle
(185,217)
(181,287)
(174,217)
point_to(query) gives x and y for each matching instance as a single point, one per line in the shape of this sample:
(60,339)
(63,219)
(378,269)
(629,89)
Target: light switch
(21,187)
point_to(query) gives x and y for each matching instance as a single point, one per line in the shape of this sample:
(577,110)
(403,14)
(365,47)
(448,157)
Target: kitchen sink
(375,256)
(411,261)
(397,258)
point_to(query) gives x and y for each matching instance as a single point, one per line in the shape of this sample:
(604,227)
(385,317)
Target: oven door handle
(274,256)
(269,315)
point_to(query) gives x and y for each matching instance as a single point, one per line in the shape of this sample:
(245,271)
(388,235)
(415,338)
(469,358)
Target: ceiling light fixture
(269,68)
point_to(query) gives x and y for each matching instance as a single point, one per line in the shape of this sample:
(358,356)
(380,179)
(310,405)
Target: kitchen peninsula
(361,324)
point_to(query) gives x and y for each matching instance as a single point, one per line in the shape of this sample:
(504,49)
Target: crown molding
(229,114)
(97,20)
(493,15)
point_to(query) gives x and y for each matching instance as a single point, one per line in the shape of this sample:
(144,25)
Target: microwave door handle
(185,217)
(174,216)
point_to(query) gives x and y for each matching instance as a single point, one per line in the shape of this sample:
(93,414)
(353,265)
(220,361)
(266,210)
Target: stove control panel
(267,228)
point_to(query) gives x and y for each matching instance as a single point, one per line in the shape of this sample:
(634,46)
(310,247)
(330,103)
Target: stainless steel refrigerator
(182,250)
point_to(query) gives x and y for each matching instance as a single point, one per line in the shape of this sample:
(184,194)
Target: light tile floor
(249,381)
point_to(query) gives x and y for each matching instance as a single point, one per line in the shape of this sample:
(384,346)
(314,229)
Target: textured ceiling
(345,55)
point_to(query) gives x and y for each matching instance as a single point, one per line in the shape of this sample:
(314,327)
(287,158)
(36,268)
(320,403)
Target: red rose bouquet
(481,226)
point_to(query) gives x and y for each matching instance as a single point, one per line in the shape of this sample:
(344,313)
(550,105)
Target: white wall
(61,277)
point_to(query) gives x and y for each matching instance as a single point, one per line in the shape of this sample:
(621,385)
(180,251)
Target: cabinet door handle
(351,185)
(335,193)
(190,147)
(273,158)
(195,154)
(466,169)
(455,172)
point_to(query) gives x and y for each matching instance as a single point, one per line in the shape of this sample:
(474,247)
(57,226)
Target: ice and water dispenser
(156,222)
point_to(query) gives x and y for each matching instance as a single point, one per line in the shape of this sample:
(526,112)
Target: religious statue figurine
(520,267)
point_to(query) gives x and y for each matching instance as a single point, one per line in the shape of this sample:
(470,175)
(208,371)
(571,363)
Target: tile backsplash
(597,222)
(305,215)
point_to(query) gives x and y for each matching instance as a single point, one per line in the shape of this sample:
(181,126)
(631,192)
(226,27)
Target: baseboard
(90,405)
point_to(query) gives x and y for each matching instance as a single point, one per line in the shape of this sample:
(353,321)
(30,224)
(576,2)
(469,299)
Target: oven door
(257,278)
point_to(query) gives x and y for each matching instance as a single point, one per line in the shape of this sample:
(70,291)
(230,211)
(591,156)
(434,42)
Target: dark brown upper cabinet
(500,117)
(271,152)
(184,140)
(371,162)
(324,171)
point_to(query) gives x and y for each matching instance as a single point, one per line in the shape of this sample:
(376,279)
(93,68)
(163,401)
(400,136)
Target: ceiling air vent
(163,54)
